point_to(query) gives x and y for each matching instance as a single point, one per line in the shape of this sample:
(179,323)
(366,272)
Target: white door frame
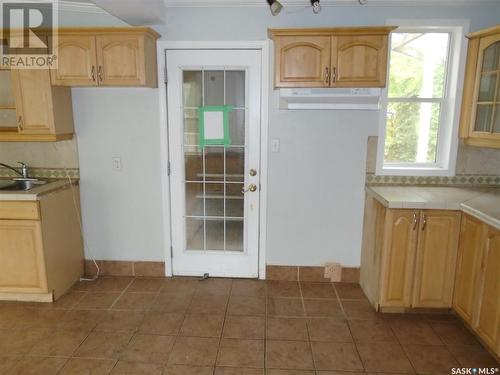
(264,47)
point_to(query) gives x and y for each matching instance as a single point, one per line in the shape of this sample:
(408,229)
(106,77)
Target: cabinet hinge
(171,251)
(165,76)
(169,169)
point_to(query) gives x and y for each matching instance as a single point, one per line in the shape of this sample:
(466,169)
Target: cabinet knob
(415,220)
(99,73)
(424,221)
(20,123)
(92,72)
(327,76)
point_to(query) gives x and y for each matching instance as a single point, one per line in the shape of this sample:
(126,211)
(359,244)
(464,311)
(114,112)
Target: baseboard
(157,269)
(125,268)
(313,274)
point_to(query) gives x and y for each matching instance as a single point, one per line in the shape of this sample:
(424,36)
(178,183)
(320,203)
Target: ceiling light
(275,6)
(316,6)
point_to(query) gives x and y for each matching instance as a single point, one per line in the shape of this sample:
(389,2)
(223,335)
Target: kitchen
(313,163)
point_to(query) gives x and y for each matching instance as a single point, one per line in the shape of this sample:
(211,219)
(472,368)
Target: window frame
(447,144)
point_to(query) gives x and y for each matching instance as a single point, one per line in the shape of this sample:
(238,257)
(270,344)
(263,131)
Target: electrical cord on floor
(79,218)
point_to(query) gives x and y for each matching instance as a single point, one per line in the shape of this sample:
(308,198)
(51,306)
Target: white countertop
(35,193)
(482,203)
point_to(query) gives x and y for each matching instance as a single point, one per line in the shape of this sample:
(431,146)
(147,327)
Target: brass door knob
(252,188)
(253,172)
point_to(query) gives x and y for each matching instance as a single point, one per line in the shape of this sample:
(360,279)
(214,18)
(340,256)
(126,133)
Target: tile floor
(183,326)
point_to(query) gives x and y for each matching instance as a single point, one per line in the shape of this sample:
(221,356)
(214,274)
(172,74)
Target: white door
(214,183)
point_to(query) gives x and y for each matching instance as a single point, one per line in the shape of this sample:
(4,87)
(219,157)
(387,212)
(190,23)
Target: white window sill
(409,171)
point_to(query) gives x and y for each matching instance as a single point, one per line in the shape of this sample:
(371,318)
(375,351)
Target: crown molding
(79,7)
(326,3)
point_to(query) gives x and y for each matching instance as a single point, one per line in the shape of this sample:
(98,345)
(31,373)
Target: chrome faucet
(23,172)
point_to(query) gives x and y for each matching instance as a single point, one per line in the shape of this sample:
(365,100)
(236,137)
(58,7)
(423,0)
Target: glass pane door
(214,174)
(8,118)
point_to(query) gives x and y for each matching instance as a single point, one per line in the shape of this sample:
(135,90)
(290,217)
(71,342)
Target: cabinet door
(8,114)
(77,61)
(436,258)
(302,61)
(33,94)
(120,60)
(359,61)
(488,320)
(468,263)
(400,241)
(22,266)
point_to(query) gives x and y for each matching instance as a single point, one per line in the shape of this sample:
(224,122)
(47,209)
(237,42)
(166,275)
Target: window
(420,106)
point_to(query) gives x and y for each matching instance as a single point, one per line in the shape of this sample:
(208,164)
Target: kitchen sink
(20,184)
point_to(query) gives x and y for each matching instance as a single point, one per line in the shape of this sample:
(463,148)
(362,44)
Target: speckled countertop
(482,203)
(35,193)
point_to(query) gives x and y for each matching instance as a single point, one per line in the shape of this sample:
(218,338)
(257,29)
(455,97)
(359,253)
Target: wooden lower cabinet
(436,256)
(41,248)
(418,250)
(487,324)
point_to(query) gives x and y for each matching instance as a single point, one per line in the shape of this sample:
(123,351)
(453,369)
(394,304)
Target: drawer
(19,210)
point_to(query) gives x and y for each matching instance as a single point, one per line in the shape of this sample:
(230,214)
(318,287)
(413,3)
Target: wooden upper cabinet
(303,61)
(468,264)
(106,57)
(77,65)
(400,240)
(488,319)
(436,258)
(480,117)
(334,57)
(359,60)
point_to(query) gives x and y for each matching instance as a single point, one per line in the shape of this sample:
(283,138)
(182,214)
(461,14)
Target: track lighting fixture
(316,6)
(275,7)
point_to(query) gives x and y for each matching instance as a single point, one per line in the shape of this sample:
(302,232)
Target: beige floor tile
(285,307)
(21,341)
(283,289)
(287,329)
(120,321)
(183,286)
(59,343)
(244,327)
(208,304)
(68,301)
(238,371)
(349,291)
(371,330)
(318,290)
(103,345)
(172,303)
(111,284)
(41,318)
(244,305)
(189,370)
(194,351)
(97,300)
(289,355)
(146,284)
(453,333)
(149,349)
(80,366)
(249,288)
(159,323)
(336,356)
(329,329)
(415,332)
(202,325)
(289,372)
(323,308)
(241,353)
(135,368)
(388,357)
(82,319)
(472,356)
(135,301)
(431,359)
(8,362)
(38,366)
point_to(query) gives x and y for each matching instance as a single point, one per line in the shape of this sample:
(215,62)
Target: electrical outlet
(117,164)
(333,271)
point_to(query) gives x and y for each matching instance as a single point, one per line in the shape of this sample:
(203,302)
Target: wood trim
(100,30)
(483,142)
(16,137)
(468,94)
(19,210)
(27,297)
(486,32)
(334,31)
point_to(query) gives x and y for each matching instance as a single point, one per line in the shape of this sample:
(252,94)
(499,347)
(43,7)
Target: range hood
(365,99)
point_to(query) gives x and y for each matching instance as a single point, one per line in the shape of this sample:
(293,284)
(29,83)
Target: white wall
(121,210)
(316,182)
